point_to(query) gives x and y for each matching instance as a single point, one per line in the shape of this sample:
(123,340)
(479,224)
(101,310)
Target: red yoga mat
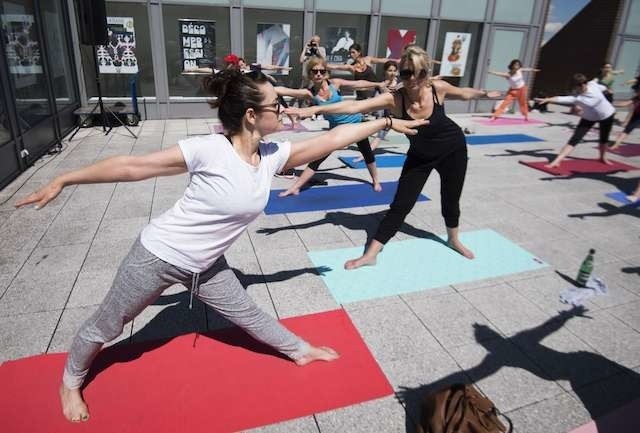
(623,420)
(218,382)
(574,166)
(627,150)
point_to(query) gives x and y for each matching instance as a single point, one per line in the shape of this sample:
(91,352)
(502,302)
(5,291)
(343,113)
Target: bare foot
(614,147)
(321,353)
(457,245)
(633,198)
(604,160)
(377,187)
(492,118)
(360,261)
(290,191)
(73,406)
(552,165)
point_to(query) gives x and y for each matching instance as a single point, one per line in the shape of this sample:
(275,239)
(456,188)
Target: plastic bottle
(585,269)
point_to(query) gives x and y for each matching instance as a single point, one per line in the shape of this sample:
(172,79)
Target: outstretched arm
(305,151)
(293,93)
(529,70)
(370,59)
(356,84)
(116,169)
(465,93)
(339,67)
(499,74)
(384,100)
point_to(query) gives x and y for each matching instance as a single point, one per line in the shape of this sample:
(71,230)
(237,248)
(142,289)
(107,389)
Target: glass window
(274,37)
(461,65)
(419,8)
(61,73)
(5,127)
(633,21)
(514,11)
(119,84)
(464,9)
(205,39)
(339,31)
(396,32)
(506,46)
(291,4)
(341,5)
(23,52)
(629,60)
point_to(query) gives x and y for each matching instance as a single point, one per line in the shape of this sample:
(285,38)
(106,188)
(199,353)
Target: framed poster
(272,44)
(119,55)
(454,54)
(339,40)
(397,39)
(197,43)
(21,44)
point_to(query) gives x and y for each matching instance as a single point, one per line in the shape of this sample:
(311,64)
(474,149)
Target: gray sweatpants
(140,280)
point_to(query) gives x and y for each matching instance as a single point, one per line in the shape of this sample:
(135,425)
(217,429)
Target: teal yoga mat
(421,264)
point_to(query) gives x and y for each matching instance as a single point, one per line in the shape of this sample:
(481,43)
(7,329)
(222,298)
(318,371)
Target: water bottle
(585,269)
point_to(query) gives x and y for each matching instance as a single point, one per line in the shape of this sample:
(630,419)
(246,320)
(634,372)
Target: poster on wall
(21,44)
(397,39)
(197,43)
(272,45)
(454,54)
(339,40)
(119,55)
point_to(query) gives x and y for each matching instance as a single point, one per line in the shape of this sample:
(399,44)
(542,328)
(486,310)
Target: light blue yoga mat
(621,197)
(421,264)
(382,161)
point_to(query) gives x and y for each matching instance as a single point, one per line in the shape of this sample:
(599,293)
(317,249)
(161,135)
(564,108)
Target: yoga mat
(574,166)
(383,161)
(627,150)
(219,382)
(621,197)
(332,197)
(421,264)
(501,138)
(508,121)
(622,420)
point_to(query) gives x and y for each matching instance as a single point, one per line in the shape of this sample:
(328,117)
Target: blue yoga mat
(332,197)
(420,264)
(621,197)
(474,140)
(382,161)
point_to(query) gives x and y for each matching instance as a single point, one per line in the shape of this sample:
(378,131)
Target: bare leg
(454,242)
(566,150)
(373,171)
(73,406)
(321,353)
(603,153)
(305,176)
(368,258)
(621,136)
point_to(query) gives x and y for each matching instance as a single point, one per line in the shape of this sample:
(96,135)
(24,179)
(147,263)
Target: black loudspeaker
(92,17)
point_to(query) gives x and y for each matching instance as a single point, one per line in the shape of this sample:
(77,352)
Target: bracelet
(389,124)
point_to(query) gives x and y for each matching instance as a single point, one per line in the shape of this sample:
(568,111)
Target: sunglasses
(318,71)
(405,74)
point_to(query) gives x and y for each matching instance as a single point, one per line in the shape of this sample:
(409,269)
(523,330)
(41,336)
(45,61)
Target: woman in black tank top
(439,145)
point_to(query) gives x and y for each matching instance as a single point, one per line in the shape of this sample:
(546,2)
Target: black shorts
(634,122)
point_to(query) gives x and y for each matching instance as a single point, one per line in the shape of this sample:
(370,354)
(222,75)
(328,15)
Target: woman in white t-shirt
(594,107)
(517,89)
(230,179)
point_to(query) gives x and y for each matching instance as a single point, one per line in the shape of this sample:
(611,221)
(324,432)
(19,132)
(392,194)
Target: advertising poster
(397,39)
(272,44)
(339,40)
(197,43)
(119,55)
(454,54)
(21,44)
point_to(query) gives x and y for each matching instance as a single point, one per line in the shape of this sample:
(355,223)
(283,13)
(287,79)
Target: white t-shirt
(593,102)
(516,81)
(224,195)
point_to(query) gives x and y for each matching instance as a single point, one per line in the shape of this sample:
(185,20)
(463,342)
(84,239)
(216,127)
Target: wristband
(389,124)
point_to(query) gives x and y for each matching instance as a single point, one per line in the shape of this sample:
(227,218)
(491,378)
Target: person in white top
(594,108)
(517,89)
(230,179)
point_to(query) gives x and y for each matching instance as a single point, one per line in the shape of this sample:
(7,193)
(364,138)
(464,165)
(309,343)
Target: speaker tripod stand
(105,113)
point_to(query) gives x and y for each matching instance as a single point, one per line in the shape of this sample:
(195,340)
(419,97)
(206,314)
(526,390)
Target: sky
(560,13)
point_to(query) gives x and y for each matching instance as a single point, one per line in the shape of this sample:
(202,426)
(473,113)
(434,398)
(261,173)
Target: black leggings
(452,169)
(363,146)
(585,125)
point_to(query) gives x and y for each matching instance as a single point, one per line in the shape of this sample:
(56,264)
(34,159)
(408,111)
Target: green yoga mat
(421,264)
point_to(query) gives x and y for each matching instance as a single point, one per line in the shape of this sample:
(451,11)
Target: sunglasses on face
(318,71)
(405,74)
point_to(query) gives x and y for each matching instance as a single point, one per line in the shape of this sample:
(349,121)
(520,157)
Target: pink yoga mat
(573,166)
(508,121)
(627,150)
(623,420)
(223,381)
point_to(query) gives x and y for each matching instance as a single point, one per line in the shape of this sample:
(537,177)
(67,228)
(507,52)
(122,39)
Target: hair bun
(217,84)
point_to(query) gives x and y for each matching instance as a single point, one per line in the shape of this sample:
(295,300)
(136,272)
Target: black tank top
(439,137)
(368,75)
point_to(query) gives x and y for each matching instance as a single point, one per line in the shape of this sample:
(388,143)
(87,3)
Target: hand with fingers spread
(494,94)
(42,196)
(406,126)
